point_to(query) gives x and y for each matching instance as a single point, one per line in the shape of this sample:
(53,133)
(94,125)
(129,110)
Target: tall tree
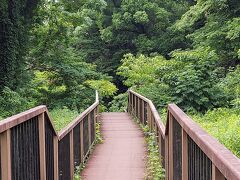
(15,17)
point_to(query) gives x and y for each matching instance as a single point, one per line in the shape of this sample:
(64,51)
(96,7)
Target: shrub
(223,124)
(119,103)
(13,102)
(62,117)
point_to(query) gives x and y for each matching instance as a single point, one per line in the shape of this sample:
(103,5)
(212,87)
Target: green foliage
(77,173)
(231,86)
(141,70)
(214,24)
(61,77)
(13,102)
(223,124)
(104,87)
(15,19)
(98,136)
(119,103)
(189,79)
(62,117)
(155,170)
(120,27)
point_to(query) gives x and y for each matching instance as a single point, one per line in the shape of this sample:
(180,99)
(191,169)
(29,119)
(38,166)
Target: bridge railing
(143,109)
(31,149)
(190,152)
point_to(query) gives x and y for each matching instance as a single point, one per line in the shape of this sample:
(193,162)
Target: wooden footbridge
(31,149)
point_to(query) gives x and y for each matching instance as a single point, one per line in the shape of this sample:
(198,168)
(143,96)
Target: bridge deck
(122,155)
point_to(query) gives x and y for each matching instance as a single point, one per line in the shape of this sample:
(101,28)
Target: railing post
(216,174)
(160,144)
(143,111)
(81,141)
(184,155)
(55,141)
(71,155)
(170,145)
(135,109)
(41,124)
(5,139)
(131,96)
(129,103)
(166,156)
(89,129)
(139,111)
(149,117)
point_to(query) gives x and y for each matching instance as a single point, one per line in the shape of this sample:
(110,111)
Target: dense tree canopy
(57,52)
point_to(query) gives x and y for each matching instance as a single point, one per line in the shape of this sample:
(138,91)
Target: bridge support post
(149,118)
(71,155)
(55,141)
(184,155)
(5,139)
(81,141)
(89,129)
(216,174)
(170,150)
(41,123)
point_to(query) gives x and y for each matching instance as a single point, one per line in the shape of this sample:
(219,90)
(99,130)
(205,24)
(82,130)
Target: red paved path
(122,154)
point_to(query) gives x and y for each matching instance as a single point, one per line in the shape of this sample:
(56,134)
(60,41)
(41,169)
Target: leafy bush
(189,79)
(223,124)
(231,86)
(13,102)
(104,87)
(119,103)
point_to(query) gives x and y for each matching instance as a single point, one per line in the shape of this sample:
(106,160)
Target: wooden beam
(160,144)
(131,97)
(41,125)
(184,155)
(138,115)
(149,117)
(55,144)
(5,139)
(170,145)
(71,155)
(135,109)
(216,174)
(89,129)
(81,141)
(166,156)
(143,112)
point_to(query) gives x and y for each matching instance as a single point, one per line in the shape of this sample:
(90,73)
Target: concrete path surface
(122,155)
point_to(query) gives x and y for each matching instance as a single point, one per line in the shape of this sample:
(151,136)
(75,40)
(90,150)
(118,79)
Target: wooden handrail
(154,111)
(180,132)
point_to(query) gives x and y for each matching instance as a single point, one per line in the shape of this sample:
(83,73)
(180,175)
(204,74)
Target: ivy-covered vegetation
(187,52)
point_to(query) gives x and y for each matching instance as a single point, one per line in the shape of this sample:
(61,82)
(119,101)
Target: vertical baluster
(184,155)
(55,141)
(71,155)
(81,139)
(89,130)
(149,117)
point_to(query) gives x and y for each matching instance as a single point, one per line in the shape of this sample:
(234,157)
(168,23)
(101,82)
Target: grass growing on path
(154,169)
